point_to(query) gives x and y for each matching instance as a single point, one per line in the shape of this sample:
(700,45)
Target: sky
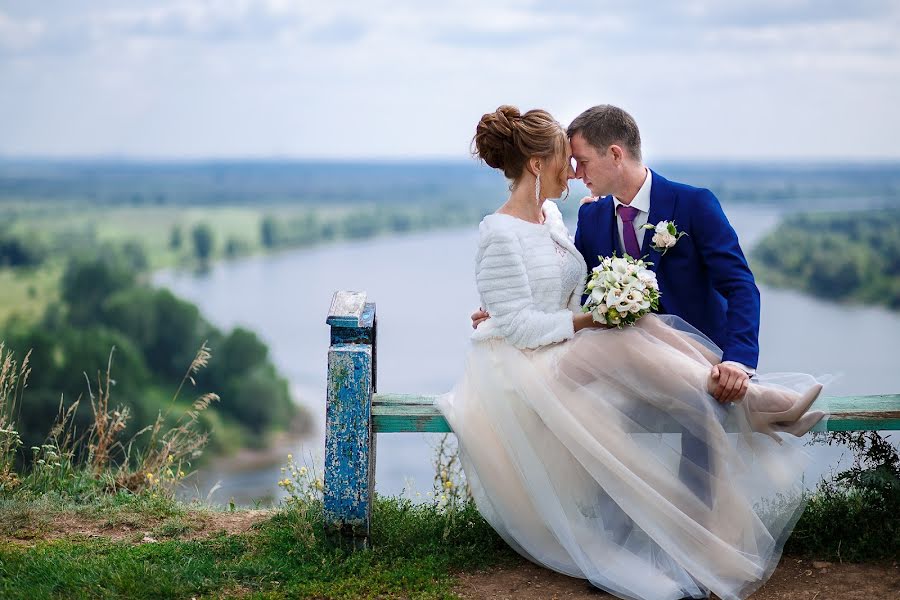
(741,80)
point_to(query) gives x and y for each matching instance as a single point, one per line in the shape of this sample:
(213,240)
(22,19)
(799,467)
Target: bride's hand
(585,320)
(478,317)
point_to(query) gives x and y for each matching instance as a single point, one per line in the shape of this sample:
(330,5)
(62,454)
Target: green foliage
(235,247)
(839,256)
(89,280)
(855,516)
(164,327)
(69,360)
(176,238)
(204,241)
(365,222)
(20,251)
(155,335)
(267,234)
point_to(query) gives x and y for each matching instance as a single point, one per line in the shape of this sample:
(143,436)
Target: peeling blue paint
(349,436)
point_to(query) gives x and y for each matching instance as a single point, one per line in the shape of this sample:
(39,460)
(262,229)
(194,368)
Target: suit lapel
(662,208)
(606,227)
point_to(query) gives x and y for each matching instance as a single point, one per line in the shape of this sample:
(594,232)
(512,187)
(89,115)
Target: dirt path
(132,527)
(794,579)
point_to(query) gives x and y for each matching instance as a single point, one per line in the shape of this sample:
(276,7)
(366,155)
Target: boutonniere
(665,236)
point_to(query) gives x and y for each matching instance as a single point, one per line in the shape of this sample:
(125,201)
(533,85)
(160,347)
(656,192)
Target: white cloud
(18,35)
(262,77)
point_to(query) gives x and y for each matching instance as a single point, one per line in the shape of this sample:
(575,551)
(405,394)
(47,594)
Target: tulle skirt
(605,458)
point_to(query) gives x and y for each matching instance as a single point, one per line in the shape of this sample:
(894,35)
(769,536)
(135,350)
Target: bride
(569,431)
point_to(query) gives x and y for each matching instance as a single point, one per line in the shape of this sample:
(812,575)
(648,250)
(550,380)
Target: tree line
(845,256)
(105,302)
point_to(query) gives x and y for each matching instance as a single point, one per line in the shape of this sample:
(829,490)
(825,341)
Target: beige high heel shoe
(788,420)
(801,426)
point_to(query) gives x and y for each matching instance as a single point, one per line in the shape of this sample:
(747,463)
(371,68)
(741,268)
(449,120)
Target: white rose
(662,227)
(664,240)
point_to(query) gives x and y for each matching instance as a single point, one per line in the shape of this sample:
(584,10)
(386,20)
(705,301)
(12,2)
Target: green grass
(414,552)
(24,294)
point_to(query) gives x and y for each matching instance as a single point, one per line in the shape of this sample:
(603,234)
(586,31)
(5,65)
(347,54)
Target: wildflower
(448,484)
(290,456)
(303,470)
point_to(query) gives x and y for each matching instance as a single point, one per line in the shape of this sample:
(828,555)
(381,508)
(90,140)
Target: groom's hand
(478,317)
(729,382)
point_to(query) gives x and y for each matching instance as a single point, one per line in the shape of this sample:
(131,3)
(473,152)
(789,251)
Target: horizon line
(422,159)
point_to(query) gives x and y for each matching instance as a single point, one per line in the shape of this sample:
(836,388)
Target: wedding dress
(572,444)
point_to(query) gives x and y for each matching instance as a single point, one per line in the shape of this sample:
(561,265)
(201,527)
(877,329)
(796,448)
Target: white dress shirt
(642,203)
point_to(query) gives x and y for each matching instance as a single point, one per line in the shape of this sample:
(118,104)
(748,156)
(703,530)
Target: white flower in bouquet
(620,291)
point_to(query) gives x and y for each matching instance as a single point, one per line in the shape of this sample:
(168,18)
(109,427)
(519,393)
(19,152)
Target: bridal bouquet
(621,291)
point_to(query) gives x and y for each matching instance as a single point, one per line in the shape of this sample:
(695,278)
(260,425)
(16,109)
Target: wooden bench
(355,412)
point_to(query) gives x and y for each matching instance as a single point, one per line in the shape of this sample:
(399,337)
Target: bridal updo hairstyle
(505,139)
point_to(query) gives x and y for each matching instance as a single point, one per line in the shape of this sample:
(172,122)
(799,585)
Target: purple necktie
(627,214)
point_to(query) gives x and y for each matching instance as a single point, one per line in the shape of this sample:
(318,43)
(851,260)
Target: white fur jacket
(519,280)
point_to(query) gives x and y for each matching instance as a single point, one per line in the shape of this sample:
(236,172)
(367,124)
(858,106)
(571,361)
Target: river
(424,290)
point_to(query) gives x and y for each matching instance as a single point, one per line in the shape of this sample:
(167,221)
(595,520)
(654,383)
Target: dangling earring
(537,188)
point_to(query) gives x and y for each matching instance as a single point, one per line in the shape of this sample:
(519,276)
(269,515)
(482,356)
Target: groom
(704,278)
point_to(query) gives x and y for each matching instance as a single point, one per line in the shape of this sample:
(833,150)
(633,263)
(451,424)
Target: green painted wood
(860,413)
(396,413)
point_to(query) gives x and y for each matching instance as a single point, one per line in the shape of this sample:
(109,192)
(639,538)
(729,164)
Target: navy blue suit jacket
(704,278)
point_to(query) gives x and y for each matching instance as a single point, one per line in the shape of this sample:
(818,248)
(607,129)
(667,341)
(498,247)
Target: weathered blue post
(349,435)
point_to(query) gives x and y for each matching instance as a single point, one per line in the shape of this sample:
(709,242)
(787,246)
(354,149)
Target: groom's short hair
(604,125)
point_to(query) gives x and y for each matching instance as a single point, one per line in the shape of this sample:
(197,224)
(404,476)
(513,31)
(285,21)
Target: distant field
(64,229)
(25,293)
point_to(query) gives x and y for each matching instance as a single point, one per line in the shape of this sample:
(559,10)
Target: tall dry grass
(100,453)
(13,379)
